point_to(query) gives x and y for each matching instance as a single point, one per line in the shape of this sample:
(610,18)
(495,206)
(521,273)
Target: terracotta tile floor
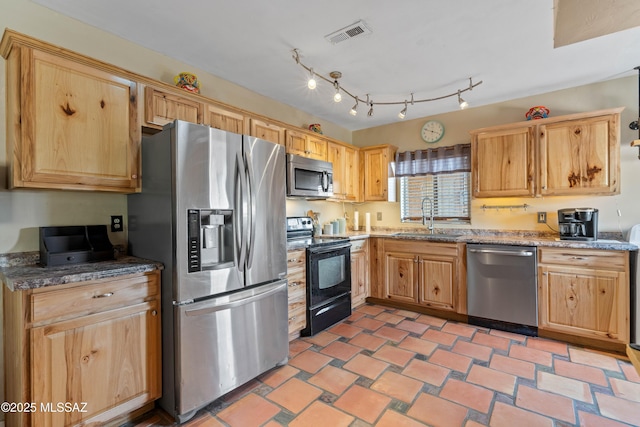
(388,367)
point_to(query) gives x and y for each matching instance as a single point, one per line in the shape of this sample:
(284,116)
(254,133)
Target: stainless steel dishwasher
(502,289)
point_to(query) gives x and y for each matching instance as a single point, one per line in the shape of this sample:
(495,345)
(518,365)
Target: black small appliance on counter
(578,224)
(74,244)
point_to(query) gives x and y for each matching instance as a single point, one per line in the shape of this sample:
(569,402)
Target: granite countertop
(21,271)
(606,241)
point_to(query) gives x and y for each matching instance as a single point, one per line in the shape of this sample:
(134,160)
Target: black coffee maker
(578,224)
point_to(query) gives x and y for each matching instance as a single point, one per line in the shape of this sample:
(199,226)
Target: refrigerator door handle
(236,302)
(241,229)
(252,210)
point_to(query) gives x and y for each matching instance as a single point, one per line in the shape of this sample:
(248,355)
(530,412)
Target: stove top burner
(300,230)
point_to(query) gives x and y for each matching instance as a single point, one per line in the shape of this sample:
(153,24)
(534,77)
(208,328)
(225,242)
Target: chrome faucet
(424,218)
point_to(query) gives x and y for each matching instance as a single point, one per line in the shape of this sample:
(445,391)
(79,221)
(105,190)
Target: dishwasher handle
(520,253)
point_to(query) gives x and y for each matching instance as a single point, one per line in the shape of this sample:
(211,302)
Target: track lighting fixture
(463,104)
(311,83)
(354,109)
(403,113)
(337,97)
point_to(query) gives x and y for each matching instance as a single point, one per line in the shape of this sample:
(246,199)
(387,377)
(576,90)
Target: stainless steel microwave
(309,178)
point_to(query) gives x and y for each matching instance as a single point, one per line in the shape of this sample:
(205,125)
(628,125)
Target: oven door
(328,273)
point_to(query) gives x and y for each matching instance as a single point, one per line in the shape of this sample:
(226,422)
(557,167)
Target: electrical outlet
(116,223)
(542,217)
(379,216)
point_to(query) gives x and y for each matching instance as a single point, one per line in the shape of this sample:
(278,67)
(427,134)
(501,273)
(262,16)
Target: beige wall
(621,92)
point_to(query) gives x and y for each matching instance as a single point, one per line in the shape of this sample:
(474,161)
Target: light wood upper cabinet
(267,131)
(374,167)
(306,145)
(224,119)
(345,171)
(580,156)
(584,293)
(503,163)
(70,125)
(80,347)
(567,155)
(163,107)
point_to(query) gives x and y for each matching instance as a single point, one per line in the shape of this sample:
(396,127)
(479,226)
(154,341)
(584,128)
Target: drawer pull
(105,295)
(292,284)
(293,260)
(579,257)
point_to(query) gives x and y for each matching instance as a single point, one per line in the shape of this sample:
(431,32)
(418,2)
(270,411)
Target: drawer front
(295,259)
(610,260)
(92,297)
(358,245)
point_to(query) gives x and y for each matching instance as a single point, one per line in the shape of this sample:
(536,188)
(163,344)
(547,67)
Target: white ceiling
(426,47)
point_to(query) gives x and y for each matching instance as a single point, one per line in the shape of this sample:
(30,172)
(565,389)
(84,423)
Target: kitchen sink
(427,236)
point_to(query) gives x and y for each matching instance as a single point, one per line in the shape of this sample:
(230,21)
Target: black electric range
(300,233)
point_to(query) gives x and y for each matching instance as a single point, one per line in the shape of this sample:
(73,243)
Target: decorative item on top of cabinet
(297,292)
(345,171)
(225,119)
(584,295)
(306,145)
(162,107)
(578,154)
(267,131)
(72,122)
(359,272)
(95,342)
(374,168)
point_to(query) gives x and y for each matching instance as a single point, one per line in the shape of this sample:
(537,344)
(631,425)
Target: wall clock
(432,131)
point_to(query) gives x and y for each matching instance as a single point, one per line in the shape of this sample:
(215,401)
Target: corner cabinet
(93,344)
(584,293)
(577,154)
(374,169)
(72,122)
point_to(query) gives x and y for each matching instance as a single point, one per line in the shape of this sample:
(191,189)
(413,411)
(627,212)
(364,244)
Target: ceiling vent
(354,30)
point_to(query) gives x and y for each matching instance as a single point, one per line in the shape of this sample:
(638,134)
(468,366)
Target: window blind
(440,176)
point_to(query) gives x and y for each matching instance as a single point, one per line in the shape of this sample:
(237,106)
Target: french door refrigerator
(212,209)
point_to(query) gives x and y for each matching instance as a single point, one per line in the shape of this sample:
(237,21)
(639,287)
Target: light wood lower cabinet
(297,277)
(423,273)
(359,272)
(584,293)
(92,347)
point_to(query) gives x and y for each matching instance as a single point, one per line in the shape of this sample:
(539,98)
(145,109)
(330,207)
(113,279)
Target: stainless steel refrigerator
(212,209)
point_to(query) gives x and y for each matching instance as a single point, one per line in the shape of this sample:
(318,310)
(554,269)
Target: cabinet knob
(154,313)
(293,260)
(105,295)
(134,176)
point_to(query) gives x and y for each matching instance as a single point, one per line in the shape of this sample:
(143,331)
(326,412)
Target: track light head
(403,113)
(370,113)
(463,104)
(354,109)
(311,83)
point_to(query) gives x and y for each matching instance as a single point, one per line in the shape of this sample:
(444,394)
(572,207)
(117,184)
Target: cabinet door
(580,156)
(503,163)
(585,302)
(401,276)
(163,107)
(267,131)
(223,119)
(359,276)
(296,142)
(109,360)
(376,172)
(437,282)
(335,156)
(316,148)
(351,175)
(297,291)
(79,125)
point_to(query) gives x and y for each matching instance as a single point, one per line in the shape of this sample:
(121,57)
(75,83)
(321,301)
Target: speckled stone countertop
(606,241)
(21,271)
